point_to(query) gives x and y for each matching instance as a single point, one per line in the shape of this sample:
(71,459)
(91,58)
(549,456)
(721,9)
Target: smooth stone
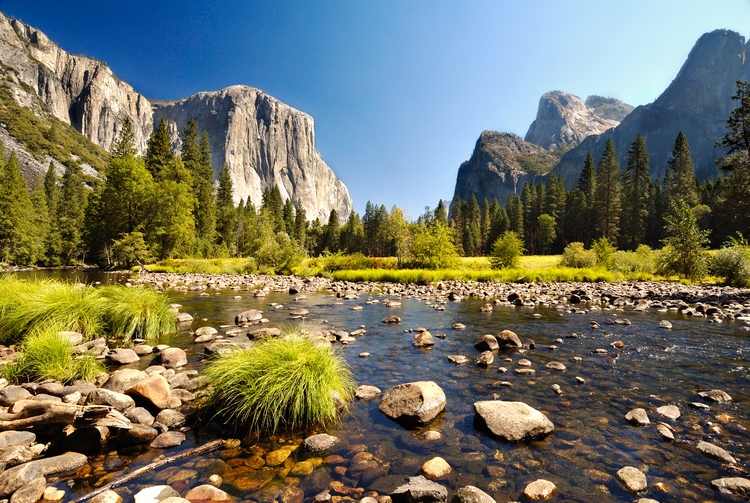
(16,438)
(173,358)
(513,421)
(139,415)
(632,478)
(716,452)
(508,338)
(119,401)
(665,432)
(154,389)
(471,494)
(436,468)
(122,356)
(138,434)
(15,478)
(458,359)
(64,464)
(423,339)
(420,490)
(391,319)
(716,395)
(670,411)
(108,496)
(31,492)
(202,331)
(556,366)
(143,349)
(168,439)
(53,494)
(124,379)
(207,493)
(419,402)
(487,342)
(540,490)
(171,418)
(154,494)
(665,324)
(320,442)
(278,456)
(736,485)
(638,416)
(459,326)
(366,392)
(485,359)
(184,318)
(11,394)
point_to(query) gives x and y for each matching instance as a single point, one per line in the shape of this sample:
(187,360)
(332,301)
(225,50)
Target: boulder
(638,416)
(735,485)
(171,418)
(458,359)
(717,452)
(423,340)
(137,435)
(168,439)
(506,338)
(31,492)
(64,464)
(487,343)
(471,494)
(670,411)
(420,490)
(716,395)
(485,359)
(632,478)
(124,379)
(15,478)
(512,421)
(248,316)
(122,356)
(320,442)
(154,389)
(418,402)
(391,319)
(11,394)
(540,490)
(154,494)
(118,401)
(207,493)
(173,358)
(16,438)
(366,392)
(140,415)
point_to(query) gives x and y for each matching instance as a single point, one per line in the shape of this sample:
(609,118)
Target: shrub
(48,355)
(433,246)
(643,259)
(137,313)
(732,264)
(684,247)
(603,250)
(576,256)
(286,382)
(506,251)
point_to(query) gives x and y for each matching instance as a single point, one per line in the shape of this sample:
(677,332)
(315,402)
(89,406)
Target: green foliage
(70,214)
(433,246)
(576,256)
(642,260)
(48,355)
(732,262)
(506,251)
(130,250)
(636,181)
(225,211)
(280,383)
(18,236)
(136,313)
(206,266)
(159,152)
(603,250)
(684,247)
(607,193)
(679,180)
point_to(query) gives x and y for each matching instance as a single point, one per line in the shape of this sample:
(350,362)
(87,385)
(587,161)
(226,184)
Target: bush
(48,355)
(506,251)
(137,313)
(576,256)
(643,259)
(684,250)
(286,382)
(603,250)
(732,264)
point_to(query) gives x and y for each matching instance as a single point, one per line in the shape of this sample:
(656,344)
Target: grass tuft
(137,313)
(287,382)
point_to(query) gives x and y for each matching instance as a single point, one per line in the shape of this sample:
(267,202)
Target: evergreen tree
(197,159)
(16,215)
(330,238)
(53,242)
(300,227)
(352,234)
(587,185)
(125,143)
(607,194)
(41,223)
(485,226)
(577,224)
(679,180)
(225,210)
(684,246)
(441,214)
(636,181)
(159,151)
(70,213)
(514,209)
(287,214)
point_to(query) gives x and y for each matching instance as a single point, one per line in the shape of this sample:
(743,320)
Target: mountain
(697,102)
(500,164)
(562,119)
(608,108)
(263,141)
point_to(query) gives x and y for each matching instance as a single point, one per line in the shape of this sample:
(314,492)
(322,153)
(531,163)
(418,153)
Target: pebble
(540,490)
(436,468)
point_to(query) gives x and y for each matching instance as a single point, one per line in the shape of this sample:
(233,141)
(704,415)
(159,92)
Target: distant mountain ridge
(263,141)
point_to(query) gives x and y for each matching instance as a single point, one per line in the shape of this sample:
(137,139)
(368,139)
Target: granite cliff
(697,102)
(263,141)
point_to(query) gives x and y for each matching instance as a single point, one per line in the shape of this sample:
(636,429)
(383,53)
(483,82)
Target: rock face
(697,102)
(265,143)
(80,91)
(562,119)
(500,165)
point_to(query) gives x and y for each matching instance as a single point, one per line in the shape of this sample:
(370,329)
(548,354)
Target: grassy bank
(205,266)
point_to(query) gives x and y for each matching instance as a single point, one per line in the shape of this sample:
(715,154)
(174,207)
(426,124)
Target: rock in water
(716,395)
(420,490)
(736,485)
(513,421)
(435,468)
(418,402)
(632,478)
(540,490)
(471,494)
(320,442)
(638,416)
(509,339)
(716,452)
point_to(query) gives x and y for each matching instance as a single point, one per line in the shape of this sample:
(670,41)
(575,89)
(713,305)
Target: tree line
(163,205)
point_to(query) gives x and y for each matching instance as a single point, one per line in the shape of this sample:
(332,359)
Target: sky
(400,90)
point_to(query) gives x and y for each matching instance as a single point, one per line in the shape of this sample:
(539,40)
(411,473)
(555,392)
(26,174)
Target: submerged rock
(420,490)
(513,421)
(471,494)
(632,478)
(540,490)
(717,452)
(418,402)
(638,416)
(736,485)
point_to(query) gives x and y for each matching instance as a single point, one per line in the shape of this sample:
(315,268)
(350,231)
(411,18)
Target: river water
(591,442)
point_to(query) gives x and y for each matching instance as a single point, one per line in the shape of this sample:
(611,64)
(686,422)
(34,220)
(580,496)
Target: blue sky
(399,90)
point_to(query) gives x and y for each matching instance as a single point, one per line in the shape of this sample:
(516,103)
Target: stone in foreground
(471,494)
(736,485)
(638,416)
(420,490)
(435,468)
(540,490)
(717,452)
(513,421)
(632,478)
(416,402)
(320,442)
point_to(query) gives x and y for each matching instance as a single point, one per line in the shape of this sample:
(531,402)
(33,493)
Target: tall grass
(137,313)
(287,382)
(28,307)
(206,266)
(48,355)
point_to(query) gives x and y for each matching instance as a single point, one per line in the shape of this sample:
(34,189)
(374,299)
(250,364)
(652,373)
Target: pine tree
(679,180)
(41,222)
(197,159)
(287,214)
(300,227)
(53,242)
(225,210)
(587,185)
(440,213)
(125,143)
(485,226)
(330,238)
(16,215)
(159,151)
(70,212)
(514,209)
(636,181)
(607,194)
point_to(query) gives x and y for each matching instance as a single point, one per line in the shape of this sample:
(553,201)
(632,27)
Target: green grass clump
(48,355)
(205,266)
(287,382)
(29,306)
(137,313)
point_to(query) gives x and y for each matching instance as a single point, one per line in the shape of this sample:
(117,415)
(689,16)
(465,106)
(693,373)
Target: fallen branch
(211,446)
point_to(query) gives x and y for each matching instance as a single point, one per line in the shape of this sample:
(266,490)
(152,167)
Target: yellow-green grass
(205,266)
(280,383)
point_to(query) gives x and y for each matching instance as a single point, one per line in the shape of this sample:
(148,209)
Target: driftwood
(210,446)
(38,414)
